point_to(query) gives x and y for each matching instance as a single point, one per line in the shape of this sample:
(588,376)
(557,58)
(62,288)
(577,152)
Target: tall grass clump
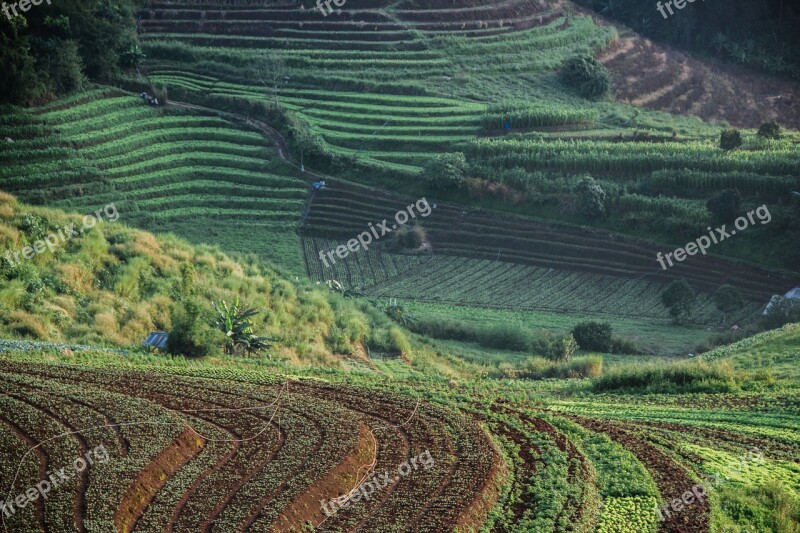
(685,376)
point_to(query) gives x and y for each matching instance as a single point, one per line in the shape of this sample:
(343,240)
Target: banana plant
(237,325)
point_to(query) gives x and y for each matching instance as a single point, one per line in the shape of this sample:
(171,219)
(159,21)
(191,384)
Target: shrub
(564,348)
(399,341)
(725,205)
(594,336)
(678,298)
(446,328)
(622,346)
(587,76)
(506,337)
(540,368)
(446,171)
(781,311)
(770,130)
(410,237)
(590,199)
(190,336)
(730,139)
(728,299)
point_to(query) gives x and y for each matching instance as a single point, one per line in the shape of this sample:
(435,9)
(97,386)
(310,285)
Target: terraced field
(247,455)
(221,449)
(195,174)
(384,115)
(488,260)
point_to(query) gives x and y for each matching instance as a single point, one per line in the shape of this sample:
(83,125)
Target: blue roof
(157,339)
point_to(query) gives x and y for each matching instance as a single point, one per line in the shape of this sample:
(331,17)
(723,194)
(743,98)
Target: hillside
(419,265)
(113,285)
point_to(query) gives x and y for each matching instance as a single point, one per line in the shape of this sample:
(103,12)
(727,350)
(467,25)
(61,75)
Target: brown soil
(659,77)
(154,476)
(306,508)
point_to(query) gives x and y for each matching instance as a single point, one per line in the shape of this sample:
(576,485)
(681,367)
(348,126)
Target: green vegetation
(595,336)
(113,285)
(523,334)
(54,49)
(587,76)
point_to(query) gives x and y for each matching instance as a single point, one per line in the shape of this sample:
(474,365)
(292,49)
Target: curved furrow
(9,492)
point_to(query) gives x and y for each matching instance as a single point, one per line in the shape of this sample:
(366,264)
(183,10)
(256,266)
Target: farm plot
(233,453)
(198,175)
(482,259)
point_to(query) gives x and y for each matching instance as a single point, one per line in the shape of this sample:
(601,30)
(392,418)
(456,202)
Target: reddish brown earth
(154,476)
(659,77)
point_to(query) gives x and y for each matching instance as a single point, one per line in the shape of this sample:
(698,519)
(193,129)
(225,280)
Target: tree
(728,299)
(594,336)
(679,299)
(446,171)
(770,130)
(587,76)
(237,325)
(271,71)
(19,82)
(590,199)
(725,205)
(730,139)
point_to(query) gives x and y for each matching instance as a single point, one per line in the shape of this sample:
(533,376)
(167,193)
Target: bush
(446,171)
(390,340)
(587,76)
(190,335)
(595,336)
(446,328)
(410,237)
(679,299)
(540,368)
(506,337)
(730,139)
(590,199)
(770,130)
(725,205)
(622,346)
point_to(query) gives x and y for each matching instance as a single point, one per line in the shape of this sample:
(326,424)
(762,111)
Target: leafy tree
(594,336)
(770,130)
(446,171)
(730,139)
(587,76)
(679,298)
(237,325)
(590,199)
(728,299)
(19,82)
(62,63)
(54,49)
(725,205)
